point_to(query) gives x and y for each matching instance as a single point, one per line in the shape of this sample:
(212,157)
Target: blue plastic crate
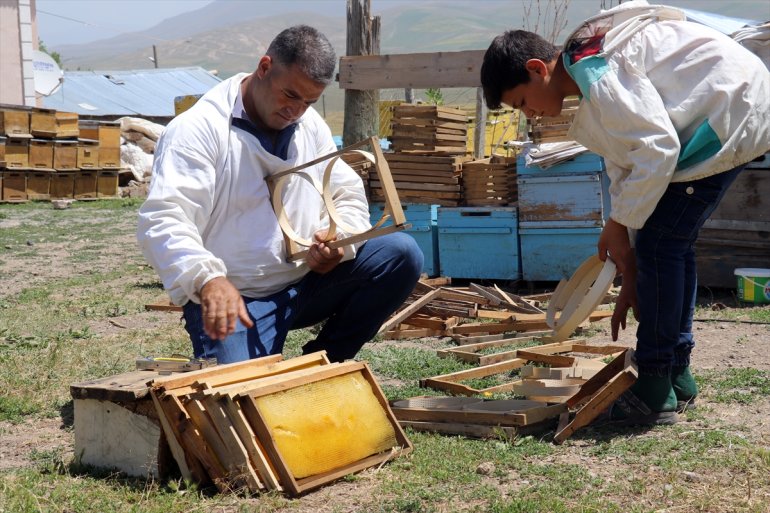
(574,200)
(551,254)
(477,242)
(583,163)
(423,230)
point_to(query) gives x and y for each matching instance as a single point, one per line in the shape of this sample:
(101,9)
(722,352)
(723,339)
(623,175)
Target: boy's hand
(614,242)
(321,258)
(627,299)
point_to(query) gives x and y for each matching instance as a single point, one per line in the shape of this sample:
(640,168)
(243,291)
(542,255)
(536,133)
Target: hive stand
(295,243)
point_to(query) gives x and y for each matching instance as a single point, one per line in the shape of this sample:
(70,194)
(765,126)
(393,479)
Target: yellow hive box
(51,123)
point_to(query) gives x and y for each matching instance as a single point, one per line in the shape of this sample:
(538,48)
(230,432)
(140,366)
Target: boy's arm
(644,142)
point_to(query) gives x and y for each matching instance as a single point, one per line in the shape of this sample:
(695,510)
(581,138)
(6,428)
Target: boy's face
(537,97)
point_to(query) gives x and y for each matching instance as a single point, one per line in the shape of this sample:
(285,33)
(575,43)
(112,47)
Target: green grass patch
(742,386)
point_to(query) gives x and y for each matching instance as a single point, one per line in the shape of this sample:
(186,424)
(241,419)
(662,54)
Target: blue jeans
(666,275)
(354,299)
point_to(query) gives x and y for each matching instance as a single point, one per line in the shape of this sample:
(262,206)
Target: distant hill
(230,35)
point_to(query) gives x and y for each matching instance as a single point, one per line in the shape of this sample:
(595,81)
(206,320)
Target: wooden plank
(191,471)
(400,334)
(241,470)
(241,375)
(188,378)
(451,381)
(593,385)
(554,360)
(476,430)
(203,423)
(259,425)
(251,443)
(127,387)
(408,311)
(601,400)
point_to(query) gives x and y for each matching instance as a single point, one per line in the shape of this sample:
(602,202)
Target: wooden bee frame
(297,247)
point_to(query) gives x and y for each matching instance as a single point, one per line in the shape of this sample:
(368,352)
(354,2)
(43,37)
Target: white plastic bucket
(753,285)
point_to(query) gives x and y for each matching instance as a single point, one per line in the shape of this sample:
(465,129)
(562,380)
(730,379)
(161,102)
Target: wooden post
(361,106)
(409,95)
(479,134)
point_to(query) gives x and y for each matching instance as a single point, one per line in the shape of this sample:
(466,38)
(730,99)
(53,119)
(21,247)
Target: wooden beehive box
(88,153)
(107,184)
(109,134)
(39,185)
(65,154)
(88,129)
(85,184)
(52,124)
(17,153)
(63,185)
(14,186)
(14,122)
(41,154)
(117,426)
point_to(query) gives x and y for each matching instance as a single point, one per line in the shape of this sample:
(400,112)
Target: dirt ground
(720,345)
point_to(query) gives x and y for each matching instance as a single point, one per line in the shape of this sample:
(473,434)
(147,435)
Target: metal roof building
(141,93)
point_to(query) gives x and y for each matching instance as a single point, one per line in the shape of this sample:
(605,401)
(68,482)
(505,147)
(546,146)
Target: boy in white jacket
(677,110)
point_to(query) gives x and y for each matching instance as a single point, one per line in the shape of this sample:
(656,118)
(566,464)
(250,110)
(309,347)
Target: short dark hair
(505,60)
(307,48)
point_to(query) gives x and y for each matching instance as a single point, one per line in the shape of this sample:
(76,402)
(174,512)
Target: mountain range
(229,36)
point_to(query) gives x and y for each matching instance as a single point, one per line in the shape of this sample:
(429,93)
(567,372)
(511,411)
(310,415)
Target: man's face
(282,94)
(537,97)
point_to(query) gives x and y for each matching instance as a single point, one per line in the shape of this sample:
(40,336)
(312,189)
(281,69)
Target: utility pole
(362,115)
(155,55)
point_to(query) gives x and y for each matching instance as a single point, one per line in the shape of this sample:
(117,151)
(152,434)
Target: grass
(57,328)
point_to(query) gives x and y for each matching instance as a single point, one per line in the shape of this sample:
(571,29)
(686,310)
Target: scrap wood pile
(429,145)
(268,424)
(542,368)
(440,311)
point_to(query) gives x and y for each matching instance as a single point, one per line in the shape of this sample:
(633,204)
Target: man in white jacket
(676,109)
(209,229)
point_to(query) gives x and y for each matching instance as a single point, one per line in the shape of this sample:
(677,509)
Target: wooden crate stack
(547,129)
(429,144)
(223,426)
(489,182)
(43,156)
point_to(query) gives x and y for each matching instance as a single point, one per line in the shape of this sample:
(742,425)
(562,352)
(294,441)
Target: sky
(62,22)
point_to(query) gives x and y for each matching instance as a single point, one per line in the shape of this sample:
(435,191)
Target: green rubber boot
(684,386)
(656,392)
(650,401)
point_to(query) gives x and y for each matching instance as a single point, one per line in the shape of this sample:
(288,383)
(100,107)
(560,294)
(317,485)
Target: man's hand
(222,305)
(321,258)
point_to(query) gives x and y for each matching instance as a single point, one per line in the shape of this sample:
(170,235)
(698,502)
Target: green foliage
(54,55)
(434,96)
